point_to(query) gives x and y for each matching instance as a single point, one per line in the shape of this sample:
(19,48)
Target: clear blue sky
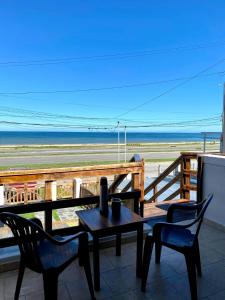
(89,32)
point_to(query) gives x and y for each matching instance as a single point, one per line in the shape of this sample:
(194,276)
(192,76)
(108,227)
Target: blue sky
(101,44)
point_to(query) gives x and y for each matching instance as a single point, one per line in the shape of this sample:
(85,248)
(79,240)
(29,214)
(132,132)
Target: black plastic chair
(179,237)
(45,254)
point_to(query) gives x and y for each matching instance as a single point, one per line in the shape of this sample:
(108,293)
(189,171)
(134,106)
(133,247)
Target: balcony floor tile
(118,280)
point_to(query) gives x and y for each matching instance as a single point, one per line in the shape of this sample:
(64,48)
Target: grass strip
(28,215)
(76,164)
(55,215)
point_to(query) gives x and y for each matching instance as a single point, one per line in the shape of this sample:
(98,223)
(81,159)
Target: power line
(112,87)
(188,123)
(120,55)
(172,88)
(213,120)
(18,113)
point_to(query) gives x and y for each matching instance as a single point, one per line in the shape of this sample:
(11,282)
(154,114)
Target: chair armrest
(43,234)
(64,241)
(191,206)
(157,228)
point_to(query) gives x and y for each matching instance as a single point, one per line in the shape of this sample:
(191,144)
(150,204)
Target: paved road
(54,159)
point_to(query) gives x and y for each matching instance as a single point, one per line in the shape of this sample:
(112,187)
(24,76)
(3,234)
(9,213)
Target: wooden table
(100,226)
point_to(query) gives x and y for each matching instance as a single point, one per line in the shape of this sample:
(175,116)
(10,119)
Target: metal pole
(125,142)
(204,143)
(118,142)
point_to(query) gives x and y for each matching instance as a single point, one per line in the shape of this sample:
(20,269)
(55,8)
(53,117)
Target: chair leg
(198,260)
(19,280)
(158,249)
(81,257)
(146,261)
(118,244)
(87,269)
(191,276)
(50,286)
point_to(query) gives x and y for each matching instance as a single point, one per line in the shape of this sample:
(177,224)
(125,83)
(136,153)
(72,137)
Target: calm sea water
(28,137)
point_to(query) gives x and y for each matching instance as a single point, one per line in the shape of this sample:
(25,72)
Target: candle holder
(116,205)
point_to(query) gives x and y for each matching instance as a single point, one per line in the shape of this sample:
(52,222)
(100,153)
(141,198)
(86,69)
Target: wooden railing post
(135,185)
(142,181)
(138,184)
(77,187)
(199,179)
(25,194)
(185,177)
(50,190)
(182,177)
(48,197)
(155,190)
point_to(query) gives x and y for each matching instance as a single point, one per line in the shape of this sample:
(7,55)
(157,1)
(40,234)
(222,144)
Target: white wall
(214,182)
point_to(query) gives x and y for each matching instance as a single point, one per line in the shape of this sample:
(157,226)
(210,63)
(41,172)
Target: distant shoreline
(104,144)
(95,138)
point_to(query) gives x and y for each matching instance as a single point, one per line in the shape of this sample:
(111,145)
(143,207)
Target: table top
(96,222)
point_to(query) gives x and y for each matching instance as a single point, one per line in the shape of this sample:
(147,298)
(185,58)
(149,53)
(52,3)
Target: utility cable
(120,55)
(172,88)
(132,85)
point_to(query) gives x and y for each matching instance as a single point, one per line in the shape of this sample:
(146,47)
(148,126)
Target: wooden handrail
(119,179)
(135,167)
(163,175)
(173,195)
(166,187)
(184,177)
(68,173)
(127,187)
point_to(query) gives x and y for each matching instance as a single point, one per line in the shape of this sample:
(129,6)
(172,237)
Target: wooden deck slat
(165,187)
(163,175)
(159,209)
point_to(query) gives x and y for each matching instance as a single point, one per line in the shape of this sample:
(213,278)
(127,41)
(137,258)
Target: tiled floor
(118,281)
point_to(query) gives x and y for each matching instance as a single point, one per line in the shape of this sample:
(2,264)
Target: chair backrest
(201,209)
(27,235)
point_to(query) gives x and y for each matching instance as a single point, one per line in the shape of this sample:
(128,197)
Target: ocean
(51,138)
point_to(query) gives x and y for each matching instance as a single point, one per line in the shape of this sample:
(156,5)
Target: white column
(76,187)
(118,142)
(2,198)
(54,190)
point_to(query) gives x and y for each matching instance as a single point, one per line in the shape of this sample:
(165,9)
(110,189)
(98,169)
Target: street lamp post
(223,123)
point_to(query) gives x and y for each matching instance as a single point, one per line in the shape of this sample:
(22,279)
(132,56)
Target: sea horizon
(66,137)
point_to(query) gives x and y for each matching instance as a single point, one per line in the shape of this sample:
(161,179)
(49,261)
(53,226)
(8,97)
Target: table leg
(96,263)
(118,244)
(139,250)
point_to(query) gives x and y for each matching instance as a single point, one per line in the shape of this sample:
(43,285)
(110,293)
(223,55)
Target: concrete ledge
(215,160)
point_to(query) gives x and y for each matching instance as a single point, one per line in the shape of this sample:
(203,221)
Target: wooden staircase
(174,184)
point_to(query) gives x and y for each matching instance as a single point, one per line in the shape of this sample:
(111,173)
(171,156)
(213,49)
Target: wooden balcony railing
(180,175)
(26,204)
(26,186)
(48,206)
(50,176)
(136,182)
